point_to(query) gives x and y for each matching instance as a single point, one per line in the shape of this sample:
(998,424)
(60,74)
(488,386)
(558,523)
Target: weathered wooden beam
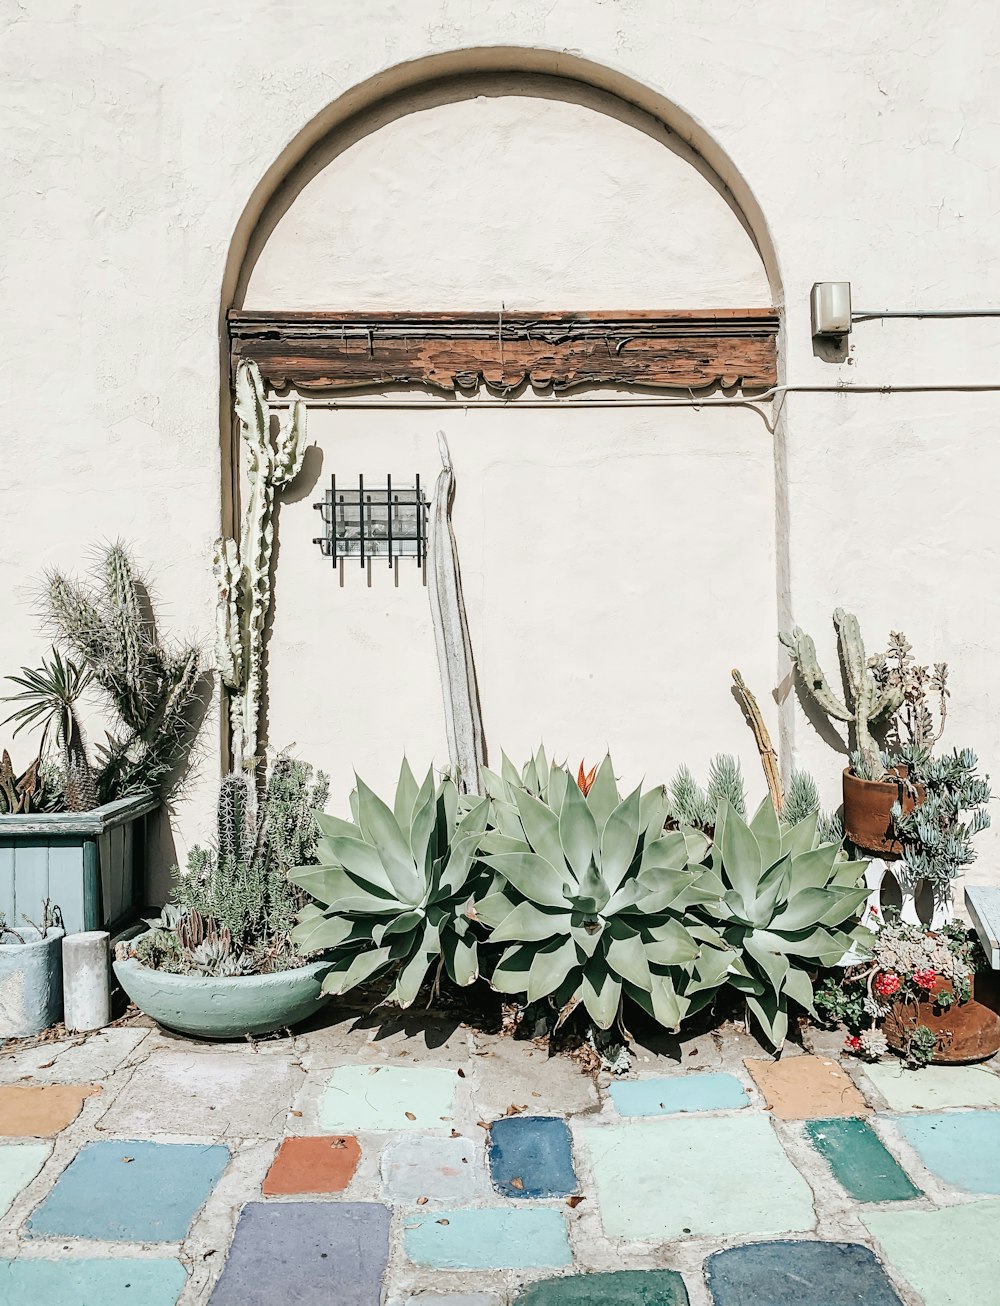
(683,350)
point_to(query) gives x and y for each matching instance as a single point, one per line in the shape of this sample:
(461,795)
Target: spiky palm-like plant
(49,697)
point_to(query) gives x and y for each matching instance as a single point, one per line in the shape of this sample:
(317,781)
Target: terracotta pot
(867,808)
(965,1031)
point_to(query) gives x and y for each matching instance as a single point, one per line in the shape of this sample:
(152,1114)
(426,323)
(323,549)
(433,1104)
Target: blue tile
(72,1281)
(309,1253)
(798,1274)
(960,1147)
(675,1093)
(530,1156)
(507,1238)
(131,1191)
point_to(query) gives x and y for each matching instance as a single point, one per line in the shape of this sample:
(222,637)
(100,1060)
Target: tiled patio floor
(431,1165)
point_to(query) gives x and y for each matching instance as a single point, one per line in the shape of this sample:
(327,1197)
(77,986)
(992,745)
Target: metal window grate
(375,522)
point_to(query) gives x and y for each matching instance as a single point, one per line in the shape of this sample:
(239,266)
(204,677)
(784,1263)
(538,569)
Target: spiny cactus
(243,572)
(867,702)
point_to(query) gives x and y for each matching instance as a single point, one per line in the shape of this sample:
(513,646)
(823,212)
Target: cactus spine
(866,701)
(243,572)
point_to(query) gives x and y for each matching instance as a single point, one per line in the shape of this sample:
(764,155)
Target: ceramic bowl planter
(965,1031)
(868,808)
(91,863)
(207,1007)
(31,992)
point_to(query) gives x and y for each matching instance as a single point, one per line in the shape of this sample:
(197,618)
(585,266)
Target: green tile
(860,1161)
(950,1256)
(619,1288)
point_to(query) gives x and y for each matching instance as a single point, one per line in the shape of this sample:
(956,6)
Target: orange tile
(807,1088)
(41,1110)
(313,1165)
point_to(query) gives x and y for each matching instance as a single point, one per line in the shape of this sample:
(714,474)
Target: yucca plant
(788,907)
(394,888)
(49,696)
(589,893)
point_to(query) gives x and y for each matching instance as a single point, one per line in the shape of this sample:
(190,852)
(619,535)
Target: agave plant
(788,906)
(589,893)
(394,887)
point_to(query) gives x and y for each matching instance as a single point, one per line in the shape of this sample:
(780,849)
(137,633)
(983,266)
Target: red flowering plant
(908,964)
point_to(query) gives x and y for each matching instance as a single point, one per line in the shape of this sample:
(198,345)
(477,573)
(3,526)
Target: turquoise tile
(675,1093)
(383,1098)
(526,1238)
(81,1281)
(619,1288)
(951,1256)
(960,1147)
(19,1163)
(131,1191)
(859,1160)
(792,1273)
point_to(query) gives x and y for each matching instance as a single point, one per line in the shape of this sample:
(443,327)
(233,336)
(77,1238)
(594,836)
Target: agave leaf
(414,972)
(697,845)
(532,876)
(740,857)
(577,832)
(849,875)
(378,825)
(668,853)
(771,1016)
(627,957)
(495,842)
(812,870)
(799,987)
(456,871)
(713,966)
(531,924)
(663,888)
(549,968)
(586,940)
(493,784)
(461,957)
(817,944)
(364,966)
(405,922)
(591,893)
(601,993)
(774,964)
(362,861)
(509,773)
(767,832)
(333,827)
(559,785)
(844,904)
(802,837)
(319,933)
(421,827)
(493,908)
(803,910)
(620,840)
(603,797)
(541,827)
(406,797)
(510,975)
(654,808)
(334,887)
(670,944)
(769,891)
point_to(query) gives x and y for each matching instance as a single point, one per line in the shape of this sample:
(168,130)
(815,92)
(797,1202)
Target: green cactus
(866,701)
(243,572)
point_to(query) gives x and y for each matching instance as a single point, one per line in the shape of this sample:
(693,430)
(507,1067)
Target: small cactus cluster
(243,571)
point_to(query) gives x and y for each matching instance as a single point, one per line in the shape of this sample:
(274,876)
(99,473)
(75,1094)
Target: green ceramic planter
(224,1008)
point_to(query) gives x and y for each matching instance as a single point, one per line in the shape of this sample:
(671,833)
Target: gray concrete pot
(31,994)
(224,1008)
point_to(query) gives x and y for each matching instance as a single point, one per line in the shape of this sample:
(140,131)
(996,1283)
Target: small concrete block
(313,1165)
(41,1110)
(131,1191)
(860,1161)
(620,1288)
(676,1093)
(531,1156)
(437,1169)
(72,1061)
(235,1092)
(506,1070)
(807,1088)
(961,1147)
(667,1178)
(950,1256)
(19,1163)
(489,1239)
(934,1088)
(799,1274)
(73,1281)
(309,1253)
(388,1097)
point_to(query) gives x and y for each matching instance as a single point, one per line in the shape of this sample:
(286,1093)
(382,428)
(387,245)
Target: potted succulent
(926,994)
(31,992)
(74,821)
(219,962)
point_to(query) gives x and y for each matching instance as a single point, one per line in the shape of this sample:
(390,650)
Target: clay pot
(965,1031)
(867,810)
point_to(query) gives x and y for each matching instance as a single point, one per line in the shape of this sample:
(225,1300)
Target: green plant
(393,888)
(691,805)
(49,698)
(589,893)
(243,571)
(801,800)
(937,842)
(110,627)
(921,1046)
(914,722)
(786,897)
(867,702)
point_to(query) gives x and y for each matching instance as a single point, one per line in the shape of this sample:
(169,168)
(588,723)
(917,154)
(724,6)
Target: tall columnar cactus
(243,571)
(866,701)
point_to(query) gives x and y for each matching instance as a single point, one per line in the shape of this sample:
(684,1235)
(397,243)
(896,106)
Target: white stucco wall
(864,136)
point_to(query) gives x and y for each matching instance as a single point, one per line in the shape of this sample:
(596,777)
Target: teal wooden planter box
(92,865)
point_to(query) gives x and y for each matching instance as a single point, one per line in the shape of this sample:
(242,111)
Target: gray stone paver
(275,1089)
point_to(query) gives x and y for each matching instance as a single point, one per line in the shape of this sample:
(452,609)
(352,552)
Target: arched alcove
(617,560)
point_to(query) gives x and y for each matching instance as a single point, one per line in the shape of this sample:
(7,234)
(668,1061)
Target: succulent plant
(589,893)
(395,888)
(937,842)
(869,700)
(787,907)
(49,698)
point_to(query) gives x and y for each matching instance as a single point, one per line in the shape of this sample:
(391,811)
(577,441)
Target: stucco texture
(166,165)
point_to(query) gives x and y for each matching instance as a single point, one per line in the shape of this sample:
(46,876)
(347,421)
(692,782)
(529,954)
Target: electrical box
(831,309)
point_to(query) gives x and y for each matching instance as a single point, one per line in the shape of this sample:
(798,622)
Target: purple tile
(310,1253)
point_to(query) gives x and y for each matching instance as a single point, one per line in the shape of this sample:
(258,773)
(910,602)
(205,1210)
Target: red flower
(852,1043)
(886,984)
(585,779)
(925,979)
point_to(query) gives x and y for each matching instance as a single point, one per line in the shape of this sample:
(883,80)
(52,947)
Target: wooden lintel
(670,350)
